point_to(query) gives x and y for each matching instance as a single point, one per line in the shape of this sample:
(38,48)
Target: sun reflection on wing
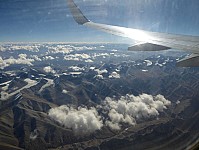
(137,35)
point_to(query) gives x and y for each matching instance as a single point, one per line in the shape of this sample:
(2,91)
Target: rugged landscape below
(30,92)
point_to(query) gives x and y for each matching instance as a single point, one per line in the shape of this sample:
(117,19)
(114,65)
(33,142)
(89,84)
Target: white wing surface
(150,41)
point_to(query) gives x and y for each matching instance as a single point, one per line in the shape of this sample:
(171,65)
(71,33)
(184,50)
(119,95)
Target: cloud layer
(22,59)
(15,47)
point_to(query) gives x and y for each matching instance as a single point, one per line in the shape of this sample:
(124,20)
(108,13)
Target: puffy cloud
(130,108)
(114,126)
(79,48)
(48,58)
(22,56)
(85,56)
(76,68)
(103,55)
(127,110)
(65,49)
(80,120)
(114,75)
(77,57)
(3,63)
(92,68)
(49,69)
(35,57)
(114,50)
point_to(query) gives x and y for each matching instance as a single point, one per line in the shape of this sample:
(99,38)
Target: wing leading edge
(151,41)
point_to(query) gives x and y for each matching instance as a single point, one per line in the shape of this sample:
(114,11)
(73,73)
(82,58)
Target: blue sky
(51,21)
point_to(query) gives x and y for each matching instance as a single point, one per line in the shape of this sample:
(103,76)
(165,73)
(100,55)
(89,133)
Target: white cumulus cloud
(65,49)
(80,120)
(76,68)
(130,108)
(35,57)
(79,48)
(49,69)
(48,58)
(114,75)
(78,57)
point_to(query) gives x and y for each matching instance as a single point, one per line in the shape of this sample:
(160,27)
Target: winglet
(76,12)
(190,61)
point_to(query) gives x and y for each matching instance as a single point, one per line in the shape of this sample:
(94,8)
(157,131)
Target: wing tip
(77,13)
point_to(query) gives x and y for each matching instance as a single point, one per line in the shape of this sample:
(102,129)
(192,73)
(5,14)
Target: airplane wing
(150,41)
